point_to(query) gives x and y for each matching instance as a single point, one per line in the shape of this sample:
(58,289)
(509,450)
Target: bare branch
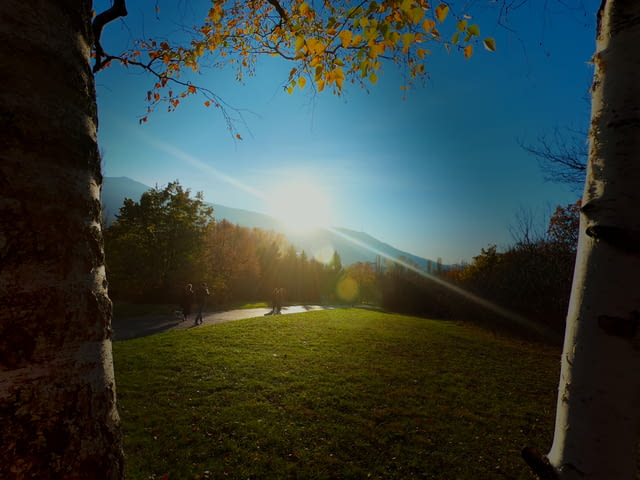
(218,102)
(117,10)
(562,156)
(528,227)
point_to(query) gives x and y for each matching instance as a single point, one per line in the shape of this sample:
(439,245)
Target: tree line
(170,237)
(531,279)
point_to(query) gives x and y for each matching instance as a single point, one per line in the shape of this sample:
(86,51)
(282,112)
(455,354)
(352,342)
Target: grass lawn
(347,394)
(252,305)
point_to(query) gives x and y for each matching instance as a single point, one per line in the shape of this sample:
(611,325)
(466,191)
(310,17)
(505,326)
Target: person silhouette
(279,297)
(201,300)
(186,300)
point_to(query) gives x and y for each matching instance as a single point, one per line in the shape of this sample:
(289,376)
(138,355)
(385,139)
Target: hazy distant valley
(352,246)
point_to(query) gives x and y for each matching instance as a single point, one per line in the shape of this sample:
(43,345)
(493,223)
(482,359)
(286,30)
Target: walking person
(279,301)
(201,300)
(186,300)
(279,297)
(274,301)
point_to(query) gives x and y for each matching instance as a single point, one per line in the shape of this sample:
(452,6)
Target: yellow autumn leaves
(335,76)
(489,44)
(313,46)
(345,38)
(442,11)
(330,43)
(306,11)
(353,44)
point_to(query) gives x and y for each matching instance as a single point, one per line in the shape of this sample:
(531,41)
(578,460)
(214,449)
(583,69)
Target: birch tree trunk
(57,392)
(598,411)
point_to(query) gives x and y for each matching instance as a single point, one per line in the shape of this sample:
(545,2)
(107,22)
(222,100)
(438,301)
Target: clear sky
(440,174)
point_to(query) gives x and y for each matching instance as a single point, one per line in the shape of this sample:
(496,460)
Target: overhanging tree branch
(216,100)
(280,10)
(562,156)
(117,10)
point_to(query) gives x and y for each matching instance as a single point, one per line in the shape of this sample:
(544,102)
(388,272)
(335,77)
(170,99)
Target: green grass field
(347,394)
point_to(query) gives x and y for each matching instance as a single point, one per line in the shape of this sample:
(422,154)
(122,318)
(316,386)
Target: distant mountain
(352,246)
(116,189)
(384,249)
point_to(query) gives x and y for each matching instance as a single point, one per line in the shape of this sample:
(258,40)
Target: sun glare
(300,206)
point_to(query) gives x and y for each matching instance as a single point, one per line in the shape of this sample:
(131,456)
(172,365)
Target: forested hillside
(170,238)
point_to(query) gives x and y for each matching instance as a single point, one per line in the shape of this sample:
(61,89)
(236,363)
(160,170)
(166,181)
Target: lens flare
(324,255)
(347,289)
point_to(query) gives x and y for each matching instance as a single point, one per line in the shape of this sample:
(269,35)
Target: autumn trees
(523,290)
(532,277)
(169,238)
(229,263)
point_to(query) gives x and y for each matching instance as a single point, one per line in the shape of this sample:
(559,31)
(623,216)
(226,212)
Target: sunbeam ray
(503,312)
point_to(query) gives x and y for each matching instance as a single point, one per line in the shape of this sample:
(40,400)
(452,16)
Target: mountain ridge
(351,245)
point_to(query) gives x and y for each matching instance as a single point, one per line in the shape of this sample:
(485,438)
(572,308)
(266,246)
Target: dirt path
(128,328)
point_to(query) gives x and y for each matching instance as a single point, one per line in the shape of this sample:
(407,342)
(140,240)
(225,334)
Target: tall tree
(269,246)
(57,390)
(231,262)
(597,418)
(157,243)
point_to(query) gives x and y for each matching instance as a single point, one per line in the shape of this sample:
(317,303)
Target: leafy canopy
(564,225)
(328,42)
(157,241)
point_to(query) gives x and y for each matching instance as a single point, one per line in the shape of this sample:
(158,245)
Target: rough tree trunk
(57,392)
(598,412)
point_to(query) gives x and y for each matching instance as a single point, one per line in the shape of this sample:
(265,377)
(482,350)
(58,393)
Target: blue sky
(440,174)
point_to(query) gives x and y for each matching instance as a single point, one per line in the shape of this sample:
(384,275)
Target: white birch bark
(57,391)
(598,411)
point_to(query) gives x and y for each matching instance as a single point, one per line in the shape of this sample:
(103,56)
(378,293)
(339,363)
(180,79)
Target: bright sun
(301,206)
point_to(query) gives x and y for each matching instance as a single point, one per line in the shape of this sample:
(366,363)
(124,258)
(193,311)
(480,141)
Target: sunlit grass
(344,394)
(245,306)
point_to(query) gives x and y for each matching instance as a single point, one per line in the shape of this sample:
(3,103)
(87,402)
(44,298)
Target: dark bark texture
(57,392)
